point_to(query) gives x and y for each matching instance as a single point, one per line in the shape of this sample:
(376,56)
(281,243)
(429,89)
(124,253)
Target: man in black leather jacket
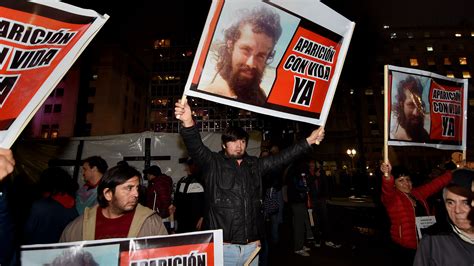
(233,181)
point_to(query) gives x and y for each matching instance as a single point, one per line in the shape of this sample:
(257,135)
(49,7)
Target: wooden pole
(386,115)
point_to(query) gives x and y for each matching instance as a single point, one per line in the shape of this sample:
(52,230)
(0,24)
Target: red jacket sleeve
(435,185)
(388,190)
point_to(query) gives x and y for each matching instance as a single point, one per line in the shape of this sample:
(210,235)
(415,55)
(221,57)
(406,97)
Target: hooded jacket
(233,191)
(145,223)
(400,209)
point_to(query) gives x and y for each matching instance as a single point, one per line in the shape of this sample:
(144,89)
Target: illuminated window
(462,60)
(450,74)
(413,62)
(54,131)
(44,131)
(458,34)
(466,74)
(447,61)
(472,33)
(431,62)
(429,48)
(162,43)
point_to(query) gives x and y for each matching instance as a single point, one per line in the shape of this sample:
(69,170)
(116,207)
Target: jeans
(237,255)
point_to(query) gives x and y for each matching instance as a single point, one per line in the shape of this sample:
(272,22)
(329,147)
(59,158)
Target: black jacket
(234,191)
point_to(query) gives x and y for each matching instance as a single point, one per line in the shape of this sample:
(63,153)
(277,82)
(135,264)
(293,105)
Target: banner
(39,42)
(197,248)
(426,109)
(279,58)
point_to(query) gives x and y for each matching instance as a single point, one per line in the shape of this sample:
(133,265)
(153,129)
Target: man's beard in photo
(413,126)
(246,89)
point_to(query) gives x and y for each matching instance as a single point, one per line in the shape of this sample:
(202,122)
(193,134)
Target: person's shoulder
(73,230)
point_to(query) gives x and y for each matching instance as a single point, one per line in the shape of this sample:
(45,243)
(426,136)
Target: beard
(235,156)
(413,125)
(246,89)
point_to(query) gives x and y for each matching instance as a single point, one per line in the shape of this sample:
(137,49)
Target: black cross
(147,158)
(77,163)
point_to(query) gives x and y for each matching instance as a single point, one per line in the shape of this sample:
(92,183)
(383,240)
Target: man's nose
(250,61)
(458,208)
(135,192)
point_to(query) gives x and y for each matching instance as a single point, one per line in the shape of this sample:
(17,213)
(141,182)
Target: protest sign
(197,248)
(425,109)
(279,58)
(39,42)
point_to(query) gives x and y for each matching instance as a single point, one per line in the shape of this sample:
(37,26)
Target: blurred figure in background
(189,200)
(159,193)
(50,214)
(93,168)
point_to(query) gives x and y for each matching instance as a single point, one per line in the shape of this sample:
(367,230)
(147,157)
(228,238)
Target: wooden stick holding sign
(252,256)
(386,114)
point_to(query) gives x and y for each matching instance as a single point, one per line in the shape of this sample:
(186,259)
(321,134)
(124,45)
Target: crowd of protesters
(301,188)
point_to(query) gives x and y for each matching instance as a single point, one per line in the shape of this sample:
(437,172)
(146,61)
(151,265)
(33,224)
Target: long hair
(113,177)
(411,84)
(263,20)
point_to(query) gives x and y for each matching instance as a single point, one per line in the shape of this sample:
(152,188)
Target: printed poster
(279,58)
(426,109)
(39,42)
(197,248)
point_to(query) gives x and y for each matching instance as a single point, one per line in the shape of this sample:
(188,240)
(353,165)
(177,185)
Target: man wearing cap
(158,192)
(453,244)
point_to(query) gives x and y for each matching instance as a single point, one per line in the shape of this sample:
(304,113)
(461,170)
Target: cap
(153,170)
(463,178)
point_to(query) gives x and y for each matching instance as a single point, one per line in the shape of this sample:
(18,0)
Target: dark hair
(96,161)
(113,177)
(411,84)
(56,180)
(123,162)
(234,133)
(398,171)
(263,20)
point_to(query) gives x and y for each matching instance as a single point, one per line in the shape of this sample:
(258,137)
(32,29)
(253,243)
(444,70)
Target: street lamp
(352,153)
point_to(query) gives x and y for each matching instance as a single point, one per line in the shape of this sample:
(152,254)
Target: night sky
(136,23)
